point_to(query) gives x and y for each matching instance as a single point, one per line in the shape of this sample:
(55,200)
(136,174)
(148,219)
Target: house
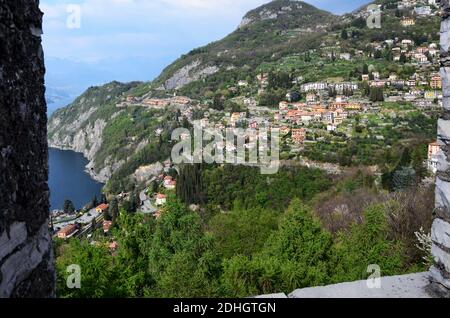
(172,185)
(113,246)
(407,42)
(102,208)
(411,83)
(180,100)
(299,135)
(378,83)
(131,99)
(421,58)
(406,22)
(68,231)
(283,106)
(423,11)
(328,117)
(345,56)
(236,117)
(167,180)
(242,83)
(313,87)
(436,82)
(353,106)
(311,98)
(156,103)
(365,77)
(285,130)
(431,95)
(433,150)
(161,199)
(107,226)
(393,77)
(331,127)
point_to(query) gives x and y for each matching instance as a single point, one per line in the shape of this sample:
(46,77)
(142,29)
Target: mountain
(294,42)
(107,134)
(268,32)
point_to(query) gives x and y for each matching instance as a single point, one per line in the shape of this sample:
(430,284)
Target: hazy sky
(150,32)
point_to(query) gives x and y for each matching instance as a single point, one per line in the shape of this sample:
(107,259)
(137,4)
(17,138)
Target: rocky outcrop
(26,257)
(271,11)
(145,173)
(188,74)
(87,140)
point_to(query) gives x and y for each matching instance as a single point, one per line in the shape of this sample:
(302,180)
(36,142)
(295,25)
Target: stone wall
(26,257)
(440,273)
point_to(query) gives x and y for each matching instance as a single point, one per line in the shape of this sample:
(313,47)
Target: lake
(68,179)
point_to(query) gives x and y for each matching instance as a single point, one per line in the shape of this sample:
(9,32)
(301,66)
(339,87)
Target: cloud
(114,28)
(121,28)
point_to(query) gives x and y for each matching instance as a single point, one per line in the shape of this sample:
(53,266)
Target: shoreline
(88,171)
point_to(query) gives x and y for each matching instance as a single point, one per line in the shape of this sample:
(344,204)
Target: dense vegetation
(257,246)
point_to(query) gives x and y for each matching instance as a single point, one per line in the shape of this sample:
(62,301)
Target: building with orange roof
(68,231)
(102,208)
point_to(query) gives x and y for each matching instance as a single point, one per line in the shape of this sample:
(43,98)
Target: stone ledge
(406,286)
(273,296)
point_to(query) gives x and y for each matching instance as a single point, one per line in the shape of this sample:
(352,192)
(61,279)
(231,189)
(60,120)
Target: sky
(94,41)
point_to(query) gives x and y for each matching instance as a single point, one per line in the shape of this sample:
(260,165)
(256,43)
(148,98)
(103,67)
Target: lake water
(68,179)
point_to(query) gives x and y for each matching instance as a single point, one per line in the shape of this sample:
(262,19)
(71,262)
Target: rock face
(188,74)
(26,257)
(440,272)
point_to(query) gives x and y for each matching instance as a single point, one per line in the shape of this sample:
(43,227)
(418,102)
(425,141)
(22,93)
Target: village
(370,105)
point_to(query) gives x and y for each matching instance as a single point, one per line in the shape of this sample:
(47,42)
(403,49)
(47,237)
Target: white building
(433,159)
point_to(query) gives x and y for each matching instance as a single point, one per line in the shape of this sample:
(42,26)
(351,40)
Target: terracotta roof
(68,229)
(106,225)
(103,207)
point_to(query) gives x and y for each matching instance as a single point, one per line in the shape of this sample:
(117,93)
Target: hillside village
(395,78)
(392,82)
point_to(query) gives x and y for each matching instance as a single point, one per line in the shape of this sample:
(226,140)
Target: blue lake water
(68,179)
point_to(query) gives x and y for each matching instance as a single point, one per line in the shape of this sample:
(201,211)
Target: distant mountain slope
(263,33)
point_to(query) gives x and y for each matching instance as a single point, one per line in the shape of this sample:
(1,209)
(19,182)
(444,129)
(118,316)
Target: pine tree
(68,208)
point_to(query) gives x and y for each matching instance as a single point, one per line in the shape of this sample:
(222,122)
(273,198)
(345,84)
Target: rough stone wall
(26,257)
(440,273)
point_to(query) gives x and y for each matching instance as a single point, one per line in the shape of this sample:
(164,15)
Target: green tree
(68,207)
(295,256)
(242,231)
(114,211)
(94,201)
(366,244)
(182,258)
(96,268)
(344,34)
